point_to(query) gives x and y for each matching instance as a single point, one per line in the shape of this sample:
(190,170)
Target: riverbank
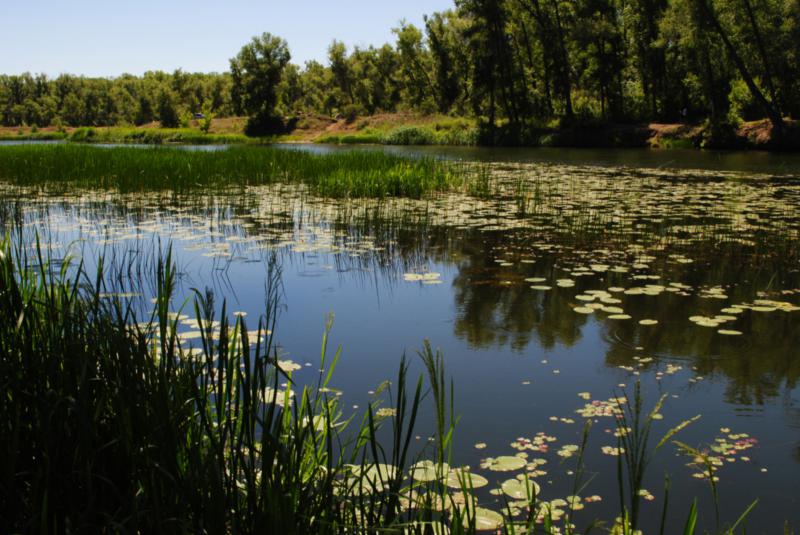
(415,129)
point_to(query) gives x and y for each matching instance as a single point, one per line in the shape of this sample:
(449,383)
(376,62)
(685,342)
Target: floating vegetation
(425,278)
(521,488)
(462,478)
(504,463)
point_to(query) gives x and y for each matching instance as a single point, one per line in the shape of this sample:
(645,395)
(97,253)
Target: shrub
(167,112)
(264,124)
(83,134)
(410,135)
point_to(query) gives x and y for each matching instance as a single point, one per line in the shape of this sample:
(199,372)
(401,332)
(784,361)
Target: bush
(720,135)
(351,113)
(205,123)
(265,124)
(743,105)
(410,135)
(466,135)
(167,112)
(83,134)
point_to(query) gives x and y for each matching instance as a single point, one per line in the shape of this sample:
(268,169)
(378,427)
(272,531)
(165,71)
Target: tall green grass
(33,136)
(155,136)
(110,424)
(341,174)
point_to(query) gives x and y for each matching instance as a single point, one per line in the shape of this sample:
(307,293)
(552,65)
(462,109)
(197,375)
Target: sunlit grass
(342,174)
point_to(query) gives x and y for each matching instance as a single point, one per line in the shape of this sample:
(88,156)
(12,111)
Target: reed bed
(341,174)
(109,423)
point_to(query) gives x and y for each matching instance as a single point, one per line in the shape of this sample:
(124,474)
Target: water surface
(588,272)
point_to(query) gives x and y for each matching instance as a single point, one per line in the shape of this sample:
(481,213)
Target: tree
(341,71)
(442,45)
(167,112)
(642,18)
(256,73)
(495,68)
(415,66)
(770,108)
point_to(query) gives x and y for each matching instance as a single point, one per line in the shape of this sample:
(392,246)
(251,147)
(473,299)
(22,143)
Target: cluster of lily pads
(727,448)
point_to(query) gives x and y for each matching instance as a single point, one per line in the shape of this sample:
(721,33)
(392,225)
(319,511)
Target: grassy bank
(125,135)
(401,129)
(343,174)
(415,129)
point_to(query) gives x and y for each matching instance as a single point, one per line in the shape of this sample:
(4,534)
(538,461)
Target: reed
(111,422)
(340,174)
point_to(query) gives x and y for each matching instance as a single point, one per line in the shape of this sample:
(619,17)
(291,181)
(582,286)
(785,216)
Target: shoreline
(416,130)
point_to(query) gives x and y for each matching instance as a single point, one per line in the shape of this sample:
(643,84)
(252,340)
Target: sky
(111,37)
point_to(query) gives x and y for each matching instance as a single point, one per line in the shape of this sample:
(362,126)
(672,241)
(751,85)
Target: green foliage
(83,135)
(153,136)
(410,135)
(256,72)
(167,111)
(743,106)
(511,65)
(205,121)
(442,132)
(81,101)
(341,174)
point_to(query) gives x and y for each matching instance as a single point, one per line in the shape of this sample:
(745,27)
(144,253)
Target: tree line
(511,64)
(127,100)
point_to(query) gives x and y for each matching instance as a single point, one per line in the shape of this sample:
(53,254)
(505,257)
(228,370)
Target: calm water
(593,270)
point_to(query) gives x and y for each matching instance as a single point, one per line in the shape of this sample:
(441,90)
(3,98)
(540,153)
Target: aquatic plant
(341,174)
(111,421)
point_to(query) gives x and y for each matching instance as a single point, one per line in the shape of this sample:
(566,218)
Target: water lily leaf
(428,470)
(504,463)
(460,478)
(485,519)
(519,490)
(729,332)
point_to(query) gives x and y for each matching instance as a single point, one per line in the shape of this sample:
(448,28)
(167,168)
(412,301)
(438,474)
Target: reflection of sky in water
(519,357)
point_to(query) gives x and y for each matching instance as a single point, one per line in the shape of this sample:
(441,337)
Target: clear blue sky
(110,37)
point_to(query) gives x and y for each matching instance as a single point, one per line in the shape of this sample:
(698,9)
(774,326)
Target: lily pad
(428,470)
(460,478)
(504,463)
(485,519)
(519,490)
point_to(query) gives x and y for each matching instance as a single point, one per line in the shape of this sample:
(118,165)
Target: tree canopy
(514,65)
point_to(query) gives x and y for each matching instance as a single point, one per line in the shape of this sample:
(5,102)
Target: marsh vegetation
(591,328)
